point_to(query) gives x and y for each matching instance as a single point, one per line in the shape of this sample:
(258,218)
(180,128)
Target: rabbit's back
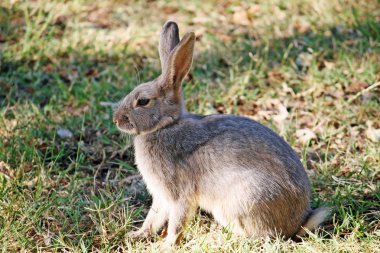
(232,139)
(203,144)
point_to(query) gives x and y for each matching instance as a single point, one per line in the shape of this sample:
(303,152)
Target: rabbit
(240,171)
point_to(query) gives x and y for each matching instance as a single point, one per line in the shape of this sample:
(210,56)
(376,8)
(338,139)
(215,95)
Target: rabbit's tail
(316,217)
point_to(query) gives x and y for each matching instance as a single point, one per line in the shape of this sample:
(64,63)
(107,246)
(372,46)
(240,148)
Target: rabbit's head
(158,103)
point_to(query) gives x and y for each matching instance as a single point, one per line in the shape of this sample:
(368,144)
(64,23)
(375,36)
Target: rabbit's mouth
(127,128)
(124,125)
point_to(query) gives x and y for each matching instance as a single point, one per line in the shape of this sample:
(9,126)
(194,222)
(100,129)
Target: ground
(310,70)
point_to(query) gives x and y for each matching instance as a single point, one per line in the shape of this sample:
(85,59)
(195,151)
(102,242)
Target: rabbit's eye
(142,101)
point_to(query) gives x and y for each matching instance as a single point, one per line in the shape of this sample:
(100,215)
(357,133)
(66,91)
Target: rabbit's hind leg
(248,223)
(231,224)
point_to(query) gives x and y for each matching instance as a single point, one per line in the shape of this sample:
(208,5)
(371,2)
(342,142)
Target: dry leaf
(305,135)
(48,68)
(77,111)
(169,9)
(92,72)
(253,10)
(329,65)
(312,158)
(288,90)
(31,183)
(9,129)
(100,18)
(372,133)
(280,117)
(240,17)
(5,170)
(354,132)
(219,107)
(301,25)
(270,109)
(26,167)
(356,87)
(306,120)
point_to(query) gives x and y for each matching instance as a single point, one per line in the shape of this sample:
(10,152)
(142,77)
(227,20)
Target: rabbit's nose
(125,118)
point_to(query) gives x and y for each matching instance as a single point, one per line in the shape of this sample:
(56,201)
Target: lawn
(310,70)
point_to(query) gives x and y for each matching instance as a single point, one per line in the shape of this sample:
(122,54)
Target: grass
(299,67)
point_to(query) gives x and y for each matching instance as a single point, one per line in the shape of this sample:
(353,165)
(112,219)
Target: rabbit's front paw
(172,240)
(138,235)
(168,245)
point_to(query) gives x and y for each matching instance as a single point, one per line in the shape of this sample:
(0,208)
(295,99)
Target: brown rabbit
(242,172)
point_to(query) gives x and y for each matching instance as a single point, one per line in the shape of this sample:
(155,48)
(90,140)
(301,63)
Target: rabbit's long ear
(168,40)
(179,62)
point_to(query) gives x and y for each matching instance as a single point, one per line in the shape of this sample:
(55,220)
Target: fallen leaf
(219,107)
(281,116)
(48,68)
(77,111)
(92,72)
(327,33)
(305,120)
(271,109)
(31,183)
(356,87)
(287,90)
(26,167)
(312,158)
(253,10)
(199,32)
(354,132)
(169,9)
(240,17)
(301,25)
(42,145)
(372,133)
(100,18)
(305,135)
(47,238)
(329,65)
(5,170)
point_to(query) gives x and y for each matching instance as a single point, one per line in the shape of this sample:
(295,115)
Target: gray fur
(242,172)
